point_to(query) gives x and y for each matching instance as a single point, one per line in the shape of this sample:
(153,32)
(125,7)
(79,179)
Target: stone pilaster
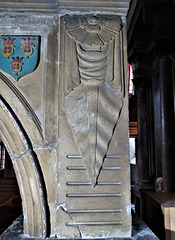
(92,119)
(73,109)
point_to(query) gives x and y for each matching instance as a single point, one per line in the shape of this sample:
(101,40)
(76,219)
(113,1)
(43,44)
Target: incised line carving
(92,104)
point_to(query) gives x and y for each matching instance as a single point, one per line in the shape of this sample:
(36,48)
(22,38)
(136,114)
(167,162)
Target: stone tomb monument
(64,115)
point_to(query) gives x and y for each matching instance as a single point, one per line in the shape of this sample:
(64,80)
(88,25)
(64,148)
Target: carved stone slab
(93,192)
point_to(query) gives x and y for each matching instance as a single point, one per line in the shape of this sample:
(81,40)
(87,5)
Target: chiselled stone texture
(54,6)
(65,124)
(139,230)
(29,126)
(94,201)
(93,107)
(88,5)
(27,172)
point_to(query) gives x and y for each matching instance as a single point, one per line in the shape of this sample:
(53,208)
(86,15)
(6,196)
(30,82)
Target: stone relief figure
(93,102)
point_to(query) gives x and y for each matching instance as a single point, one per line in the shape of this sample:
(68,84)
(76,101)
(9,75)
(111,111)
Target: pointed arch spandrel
(27,171)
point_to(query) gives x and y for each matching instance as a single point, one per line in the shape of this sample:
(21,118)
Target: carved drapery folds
(93,95)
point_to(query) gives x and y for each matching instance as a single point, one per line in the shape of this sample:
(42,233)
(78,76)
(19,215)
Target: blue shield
(19,55)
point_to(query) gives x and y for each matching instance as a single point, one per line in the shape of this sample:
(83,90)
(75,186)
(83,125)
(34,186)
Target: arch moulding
(27,171)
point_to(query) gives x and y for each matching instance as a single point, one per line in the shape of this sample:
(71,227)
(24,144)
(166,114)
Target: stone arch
(27,171)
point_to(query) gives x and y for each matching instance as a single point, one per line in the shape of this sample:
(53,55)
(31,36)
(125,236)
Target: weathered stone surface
(27,172)
(139,231)
(66,6)
(94,201)
(65,124)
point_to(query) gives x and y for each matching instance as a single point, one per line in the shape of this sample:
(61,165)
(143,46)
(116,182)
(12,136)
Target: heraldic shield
(19,55)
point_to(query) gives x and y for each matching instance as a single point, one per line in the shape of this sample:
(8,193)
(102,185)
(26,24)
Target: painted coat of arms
(19,55)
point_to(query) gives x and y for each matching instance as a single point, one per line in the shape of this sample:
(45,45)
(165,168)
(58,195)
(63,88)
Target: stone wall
(64,115)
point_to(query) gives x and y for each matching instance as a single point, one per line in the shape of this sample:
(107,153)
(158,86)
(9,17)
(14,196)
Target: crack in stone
(63,206)
(28,151)
(100,169)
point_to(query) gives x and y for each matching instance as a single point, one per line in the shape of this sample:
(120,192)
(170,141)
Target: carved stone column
(167,114)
